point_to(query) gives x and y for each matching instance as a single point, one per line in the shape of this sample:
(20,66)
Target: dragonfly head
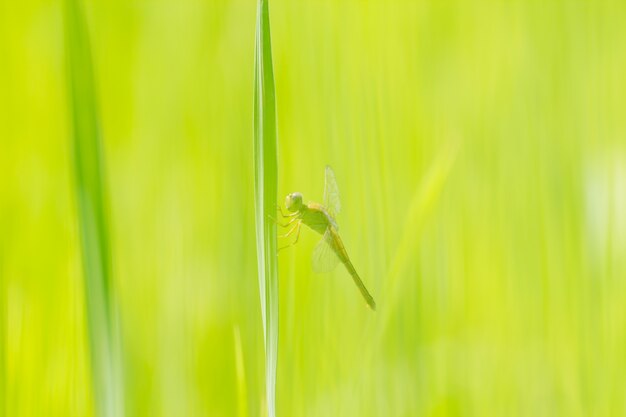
(293,202)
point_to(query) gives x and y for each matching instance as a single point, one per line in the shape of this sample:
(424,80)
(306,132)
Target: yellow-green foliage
(90,194)
(265,156)
(480,152)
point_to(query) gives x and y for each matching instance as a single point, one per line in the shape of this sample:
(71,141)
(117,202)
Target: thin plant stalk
(266,196)
(3,336)
(89,182)
(242,391)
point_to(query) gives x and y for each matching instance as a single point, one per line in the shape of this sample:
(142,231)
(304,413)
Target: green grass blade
(424,199)
(266,195)
(3,333)
(242,391)
(91,200)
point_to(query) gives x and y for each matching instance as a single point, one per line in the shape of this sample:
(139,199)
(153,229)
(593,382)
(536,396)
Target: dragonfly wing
(331,193)
(324,258)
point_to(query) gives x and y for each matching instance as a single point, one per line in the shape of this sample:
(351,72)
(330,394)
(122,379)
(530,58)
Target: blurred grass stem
(92,212)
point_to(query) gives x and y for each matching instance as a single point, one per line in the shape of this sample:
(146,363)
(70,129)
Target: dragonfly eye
(293,202)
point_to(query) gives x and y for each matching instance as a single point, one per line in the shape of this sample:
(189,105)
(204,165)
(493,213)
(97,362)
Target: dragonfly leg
(297,233)
(281,224)
(296,227)
(295,219)
(286,215)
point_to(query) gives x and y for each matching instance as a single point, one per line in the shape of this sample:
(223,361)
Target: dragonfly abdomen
(340,250)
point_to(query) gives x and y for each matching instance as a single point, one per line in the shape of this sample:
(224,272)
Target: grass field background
(480,152)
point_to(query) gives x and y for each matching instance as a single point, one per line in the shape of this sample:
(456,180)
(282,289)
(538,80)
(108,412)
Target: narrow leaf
(92,205)
(266,195)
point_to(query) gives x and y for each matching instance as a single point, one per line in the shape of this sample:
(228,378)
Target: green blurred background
(480,151)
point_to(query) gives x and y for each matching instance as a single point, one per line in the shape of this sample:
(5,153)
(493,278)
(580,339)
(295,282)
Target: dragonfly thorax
(293,202)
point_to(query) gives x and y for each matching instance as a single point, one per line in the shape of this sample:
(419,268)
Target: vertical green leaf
(92,210)
(242,391)
(266,195)
(3,338)
(423,202)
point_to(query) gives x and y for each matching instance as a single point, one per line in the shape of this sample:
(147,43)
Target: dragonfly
(330,250)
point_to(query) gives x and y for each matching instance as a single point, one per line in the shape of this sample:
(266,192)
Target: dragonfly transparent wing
(324,258)
(331,193)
